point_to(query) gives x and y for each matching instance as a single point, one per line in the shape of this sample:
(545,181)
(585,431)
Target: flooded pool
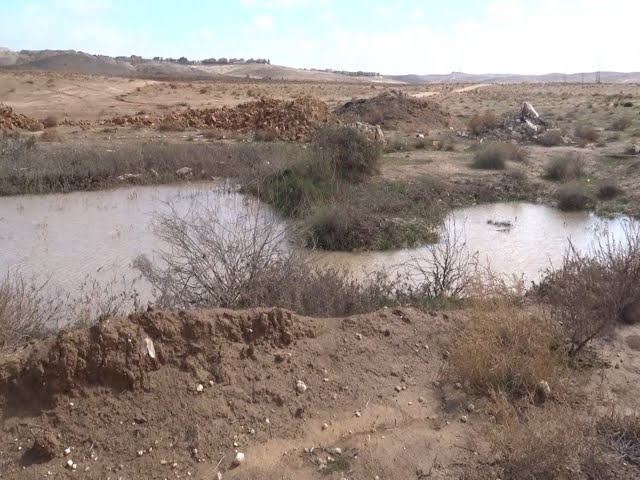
(98,234)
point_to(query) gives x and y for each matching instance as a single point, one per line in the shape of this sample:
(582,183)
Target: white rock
(211,383)
(200,388)
(471,408)
(239,458)
(70,463)
(464,419)
(150,349)
(217,476)
(67,450)
(359,336)
(324,426)
(184,171)
(140,453)
(398,388)
(301,387)
(544,389)
(335,451)
(358,414)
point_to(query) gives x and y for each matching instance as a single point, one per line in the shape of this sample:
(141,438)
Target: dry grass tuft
(502,348)
(169,125)
(622,434)
(482,123)
(51,135)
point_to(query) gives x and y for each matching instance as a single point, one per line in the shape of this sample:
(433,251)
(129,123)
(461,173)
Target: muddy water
(98,234)
(519,239)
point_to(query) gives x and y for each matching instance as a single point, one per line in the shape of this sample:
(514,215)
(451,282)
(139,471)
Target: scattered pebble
(200,388)
(325,379)
(67,451)
(458,386)
(335,451)
(235,445)
(471,408)
(359,336)
(174,465)
(464,419)
(398,388)
(421,399)
(217,476)
(239,458)
(358,414)
(301,387)
(140,453)
(410,403)
(163,462)
(211,383)
(324,426)
(404,387)
(70,463)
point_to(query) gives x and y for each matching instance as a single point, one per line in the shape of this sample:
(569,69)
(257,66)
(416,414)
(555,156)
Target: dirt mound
(78,62)
(283,119)
(395,109)
(11,120)
(121,353)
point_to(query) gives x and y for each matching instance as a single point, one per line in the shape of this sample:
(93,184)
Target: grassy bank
(35,168)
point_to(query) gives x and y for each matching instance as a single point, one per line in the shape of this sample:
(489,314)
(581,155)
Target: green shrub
(345,151)
(574,198)
(564,169)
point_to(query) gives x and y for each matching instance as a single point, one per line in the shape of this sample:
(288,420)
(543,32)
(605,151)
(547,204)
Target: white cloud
(383,10)
(263,22)
(327,17)
(283,3)
(87,7)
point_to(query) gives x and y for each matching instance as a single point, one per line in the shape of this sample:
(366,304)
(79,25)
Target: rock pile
(524,124)
(284,119)
(11,120)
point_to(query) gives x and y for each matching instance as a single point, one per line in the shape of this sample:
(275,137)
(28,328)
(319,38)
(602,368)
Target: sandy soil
(376,389)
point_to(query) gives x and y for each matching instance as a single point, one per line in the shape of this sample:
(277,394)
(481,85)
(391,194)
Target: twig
(216,467)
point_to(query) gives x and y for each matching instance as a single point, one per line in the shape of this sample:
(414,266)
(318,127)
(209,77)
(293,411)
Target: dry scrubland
(466,375)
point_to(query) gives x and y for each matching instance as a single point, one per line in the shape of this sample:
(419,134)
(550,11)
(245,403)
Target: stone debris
(200,388)
(521,125)
(10,120)
(239,458)
(301,387)
(184,171)
(284,119)
(543,389)
(149,347)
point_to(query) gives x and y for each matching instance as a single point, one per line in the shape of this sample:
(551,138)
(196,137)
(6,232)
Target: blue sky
(390,36)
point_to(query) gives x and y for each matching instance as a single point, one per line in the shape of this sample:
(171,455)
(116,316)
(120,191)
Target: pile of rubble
(396,109)
(284,119)
(10,120)
(523,125)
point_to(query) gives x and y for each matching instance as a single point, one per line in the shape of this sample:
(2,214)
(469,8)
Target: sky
(391,37)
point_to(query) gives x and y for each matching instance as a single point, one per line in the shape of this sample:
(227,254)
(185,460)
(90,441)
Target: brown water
(98,234)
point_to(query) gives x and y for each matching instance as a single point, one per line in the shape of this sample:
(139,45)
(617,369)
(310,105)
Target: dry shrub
(50,122)
(491,157)
(51,135)
(574,197)
(622,434)
(211,261)
(482,123)
(564,169)
(550,443)
(502,348)
(25,312)
(212,134)
(550,138)
(620,124)
(169,125)
(587,133)
(609,191)
(265,135)
(591,293)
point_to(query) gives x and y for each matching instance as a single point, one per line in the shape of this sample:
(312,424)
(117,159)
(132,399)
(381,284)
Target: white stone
(150,349)
(70,463)
(358,414)
(324,426)
(301,387)
(200,388)
(239,458)
(67,450)
(184,171)
(335,451)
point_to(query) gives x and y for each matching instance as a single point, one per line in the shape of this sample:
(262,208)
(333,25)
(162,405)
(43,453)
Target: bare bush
(246,262)
(26,311)
(591,293)
(622,434)
(50,122)
(447,267)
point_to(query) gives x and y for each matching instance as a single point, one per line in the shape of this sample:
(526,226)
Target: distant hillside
(72,61)
(79,62)
(458,77)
